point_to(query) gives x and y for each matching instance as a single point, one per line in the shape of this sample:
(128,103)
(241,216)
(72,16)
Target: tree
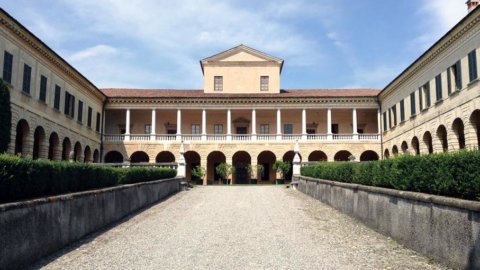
(198,171)
(282,168)
(225,171)
(5,117)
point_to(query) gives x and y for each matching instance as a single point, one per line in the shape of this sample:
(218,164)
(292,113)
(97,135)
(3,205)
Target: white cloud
(93,52)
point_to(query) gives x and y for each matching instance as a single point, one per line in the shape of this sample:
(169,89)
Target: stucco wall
(33,229)
(445,229)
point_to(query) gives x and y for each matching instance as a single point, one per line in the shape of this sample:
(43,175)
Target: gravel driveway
(239,227)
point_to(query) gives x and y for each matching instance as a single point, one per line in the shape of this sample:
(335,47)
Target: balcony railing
(241,137)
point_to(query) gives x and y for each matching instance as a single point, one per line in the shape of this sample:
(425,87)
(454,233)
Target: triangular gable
(241,49)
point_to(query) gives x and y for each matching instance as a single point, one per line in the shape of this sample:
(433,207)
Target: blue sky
(158,43)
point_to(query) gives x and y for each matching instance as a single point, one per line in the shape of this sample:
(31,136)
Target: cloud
(91,53)
(435,19)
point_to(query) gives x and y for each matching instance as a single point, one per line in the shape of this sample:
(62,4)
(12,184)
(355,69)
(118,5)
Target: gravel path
(240,227)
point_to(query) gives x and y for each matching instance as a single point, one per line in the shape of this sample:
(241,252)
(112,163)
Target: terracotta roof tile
(290,93)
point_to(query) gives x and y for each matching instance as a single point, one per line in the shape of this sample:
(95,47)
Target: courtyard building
(242,116)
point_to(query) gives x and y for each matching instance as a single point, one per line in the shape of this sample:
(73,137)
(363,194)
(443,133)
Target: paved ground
(249,227)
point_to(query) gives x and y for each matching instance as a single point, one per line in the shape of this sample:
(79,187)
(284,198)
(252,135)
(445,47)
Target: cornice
(431,54)
(41,49)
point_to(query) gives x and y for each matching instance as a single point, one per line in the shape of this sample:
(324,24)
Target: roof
(291,93)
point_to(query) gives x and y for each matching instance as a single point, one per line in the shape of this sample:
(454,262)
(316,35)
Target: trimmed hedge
(449,174)
(5,117)
(25,178)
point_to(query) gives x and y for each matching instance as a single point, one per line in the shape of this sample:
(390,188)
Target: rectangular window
(69,104)
(413,110)
(97,127)
(80,111)
(7,67)
(402,110)
(43,89)
(420,98)
(287,128)
(148,129)
(438,86)
(394,112)
(334,128)
(472,65)
(424,96)
(27,77)
(455,78)
(195,129)
(218,129)
(264,83)
(385,121)
(89,117)
(390,118)
(218,83)
(56,101)
(264,129)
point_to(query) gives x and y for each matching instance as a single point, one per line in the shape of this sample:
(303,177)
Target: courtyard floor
(239,227)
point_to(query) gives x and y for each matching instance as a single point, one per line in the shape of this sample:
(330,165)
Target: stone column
(228,160)
(127,126)
(253,163)
(154,125)
(203,163)
(179,125)
(471,140)
(27,149)
(354,124)
(254,125)
(297,162)
(43,148)
(329,124)
(279,125)
(57,152)
(204,125)
(436,144)
(379,122)
(181,169)
(452,140)
(229,125)
(304,124)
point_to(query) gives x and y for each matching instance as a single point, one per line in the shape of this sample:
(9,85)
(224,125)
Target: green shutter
(420,98)
(449,81)
(458,75)
(427,90)
(472,65)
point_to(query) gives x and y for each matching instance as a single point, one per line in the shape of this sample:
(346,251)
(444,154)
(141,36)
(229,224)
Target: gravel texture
(239,227)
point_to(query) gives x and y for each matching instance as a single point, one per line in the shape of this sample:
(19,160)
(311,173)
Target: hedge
(5,117)
(25,178)
(449,174)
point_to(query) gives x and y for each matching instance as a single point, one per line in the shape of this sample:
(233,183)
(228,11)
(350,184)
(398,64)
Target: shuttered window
(402,110)
(27,77)
(7,67)
(413,110)
(43,89)
(472,65)
(56,101)
(438,87)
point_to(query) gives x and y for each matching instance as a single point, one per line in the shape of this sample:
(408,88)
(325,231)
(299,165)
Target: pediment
(242,53)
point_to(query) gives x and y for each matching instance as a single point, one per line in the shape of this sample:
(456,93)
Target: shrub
(450,174)
(25,178)
(5,117)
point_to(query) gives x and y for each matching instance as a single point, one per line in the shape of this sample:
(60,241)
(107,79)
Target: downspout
(102,130)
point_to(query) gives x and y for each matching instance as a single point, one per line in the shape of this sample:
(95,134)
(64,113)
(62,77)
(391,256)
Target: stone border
(442,228)
(33,229)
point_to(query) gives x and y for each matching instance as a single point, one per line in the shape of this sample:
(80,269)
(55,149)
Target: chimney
(472,4)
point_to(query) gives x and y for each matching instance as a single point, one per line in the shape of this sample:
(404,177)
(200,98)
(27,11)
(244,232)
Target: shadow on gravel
(90,237)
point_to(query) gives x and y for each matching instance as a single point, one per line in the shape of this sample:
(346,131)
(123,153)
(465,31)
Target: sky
(158,43)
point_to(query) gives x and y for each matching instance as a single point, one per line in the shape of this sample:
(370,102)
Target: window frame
(472,66)
(42,96)
(27,79)
(218,83)
(218,129)
(264,129)
(264,83)
(7,67)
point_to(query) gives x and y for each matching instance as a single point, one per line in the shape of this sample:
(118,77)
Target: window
(80,111)
(195,129)
(264,83)
(264,129)
(455,77)
(390,118)
(424,96)
(43,88)
(89,117)
(56,101)
(472,65)
(69,104)
(7,67)
(148,129)
(27,76)
(394,112)
(287,128)
(218,129)
(334,128)
(97,128)
(438,87)
(413,110)
(218,83)
(385,121)
(402,110)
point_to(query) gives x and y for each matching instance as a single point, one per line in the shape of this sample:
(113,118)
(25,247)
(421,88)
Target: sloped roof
(290,93)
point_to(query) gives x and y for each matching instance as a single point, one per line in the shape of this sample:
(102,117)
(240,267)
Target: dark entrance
(241,160)
(241,130)
(266,172)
